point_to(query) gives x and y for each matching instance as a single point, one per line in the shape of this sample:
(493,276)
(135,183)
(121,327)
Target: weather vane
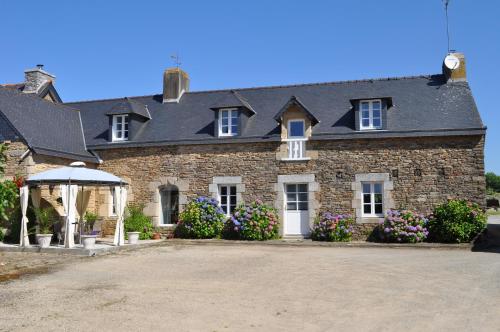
(177,60)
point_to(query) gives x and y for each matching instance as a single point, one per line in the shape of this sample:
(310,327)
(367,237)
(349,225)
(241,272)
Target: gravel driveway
(261,288)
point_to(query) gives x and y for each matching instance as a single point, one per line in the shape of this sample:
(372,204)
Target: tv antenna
(177,60)
(446,3)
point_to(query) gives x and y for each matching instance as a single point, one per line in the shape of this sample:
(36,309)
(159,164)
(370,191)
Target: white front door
(296,209)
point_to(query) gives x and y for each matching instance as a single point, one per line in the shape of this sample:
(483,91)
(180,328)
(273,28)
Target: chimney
(36,78)
(458,74)
(175,83)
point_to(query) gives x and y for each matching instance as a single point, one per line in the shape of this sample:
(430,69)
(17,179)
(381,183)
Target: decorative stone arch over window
(213,188)
(153,208)
(313,193)
(357,202)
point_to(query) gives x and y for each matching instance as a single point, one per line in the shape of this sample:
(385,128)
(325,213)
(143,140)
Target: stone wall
(424,171)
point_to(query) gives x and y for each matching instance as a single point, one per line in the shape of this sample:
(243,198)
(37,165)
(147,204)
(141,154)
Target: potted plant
(88,239)
(137,225)
(156,234)
(45,220)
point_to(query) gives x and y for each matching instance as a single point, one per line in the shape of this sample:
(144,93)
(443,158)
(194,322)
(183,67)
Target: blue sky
(104,49)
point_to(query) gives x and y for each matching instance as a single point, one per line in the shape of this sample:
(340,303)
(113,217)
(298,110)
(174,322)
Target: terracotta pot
(156,236)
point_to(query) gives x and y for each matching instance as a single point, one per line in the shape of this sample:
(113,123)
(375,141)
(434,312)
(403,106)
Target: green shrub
(332,227)
(201,219)
(46,218)
(9,197)
(90,219)
(456,221)
(137,221)
(256,221)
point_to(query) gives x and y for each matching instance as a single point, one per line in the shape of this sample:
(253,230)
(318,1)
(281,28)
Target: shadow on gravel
(489,240)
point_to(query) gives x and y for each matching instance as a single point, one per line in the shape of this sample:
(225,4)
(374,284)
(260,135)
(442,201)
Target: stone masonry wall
(424,171)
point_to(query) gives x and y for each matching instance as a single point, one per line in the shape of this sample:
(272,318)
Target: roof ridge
(394,78)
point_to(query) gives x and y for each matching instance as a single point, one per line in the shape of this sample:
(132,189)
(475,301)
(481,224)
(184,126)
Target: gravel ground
(260,288)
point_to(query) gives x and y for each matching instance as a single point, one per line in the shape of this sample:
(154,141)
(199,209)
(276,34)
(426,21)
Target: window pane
(234,129)
(225,129)
(365,123)
(367,209)
(378,208)
(303,197)
(296,129)
(223,200)
(365,114)
(366,188)
(377,188)
(224,114)
(376,122)
(125,134)
(232,200)
(302,188)
(291,197)
(378,198)
(376,113)
(119,126)
(225,122)
(302,206)
(291,188)
(234,115)
(233,190)
(223,190)
(364,106)
(291,206)
(376,105)
(232,208)
(367,198)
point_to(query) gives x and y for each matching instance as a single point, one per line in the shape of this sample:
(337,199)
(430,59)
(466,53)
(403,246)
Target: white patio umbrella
(68,178)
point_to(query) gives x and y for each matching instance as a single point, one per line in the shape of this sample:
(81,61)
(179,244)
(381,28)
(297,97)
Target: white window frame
(370,114)
(372,199)
(228,195)
(123,132)
(290,130)
(229,122)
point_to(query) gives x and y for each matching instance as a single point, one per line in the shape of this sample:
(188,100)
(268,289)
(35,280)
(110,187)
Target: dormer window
(371,114)
(120,127)
(228,122)
(296,129)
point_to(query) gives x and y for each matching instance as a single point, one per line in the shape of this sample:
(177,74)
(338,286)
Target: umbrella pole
(67,233)
(80,227)
(121,221)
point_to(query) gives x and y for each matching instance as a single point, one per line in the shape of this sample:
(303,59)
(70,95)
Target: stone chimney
(458,74)
(175,83)
(36,78)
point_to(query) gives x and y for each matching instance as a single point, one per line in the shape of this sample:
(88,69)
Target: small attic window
(370,114)
(120,128)
(228,122)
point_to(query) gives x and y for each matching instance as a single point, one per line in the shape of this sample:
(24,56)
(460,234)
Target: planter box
(43,240)
(133,237)
(88,241)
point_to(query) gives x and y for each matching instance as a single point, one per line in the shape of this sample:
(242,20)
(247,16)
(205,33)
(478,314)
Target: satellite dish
(451,62)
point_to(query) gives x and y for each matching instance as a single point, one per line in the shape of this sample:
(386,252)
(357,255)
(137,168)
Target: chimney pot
(175,83)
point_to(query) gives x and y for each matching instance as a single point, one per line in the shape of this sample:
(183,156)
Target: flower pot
(43,240)
(156,236)
(133,237)
(88,241)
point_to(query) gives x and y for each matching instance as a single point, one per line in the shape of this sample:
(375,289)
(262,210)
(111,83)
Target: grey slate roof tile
(422,105)
(53,128)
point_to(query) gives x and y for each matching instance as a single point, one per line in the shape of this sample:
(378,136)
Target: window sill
(167,225)
(296,159)
(370,219)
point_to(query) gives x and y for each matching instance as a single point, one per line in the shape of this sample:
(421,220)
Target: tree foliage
(493,182)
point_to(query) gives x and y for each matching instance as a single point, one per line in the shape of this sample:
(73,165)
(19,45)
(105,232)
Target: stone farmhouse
(358,147)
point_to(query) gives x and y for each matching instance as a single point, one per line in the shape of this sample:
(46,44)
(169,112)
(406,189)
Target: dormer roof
(294,101)
(129,106)
(232,99)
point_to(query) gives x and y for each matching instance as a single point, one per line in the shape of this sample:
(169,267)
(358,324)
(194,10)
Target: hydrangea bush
(456,221)
(332,227)
(201,219)
(404,226)
(256,221)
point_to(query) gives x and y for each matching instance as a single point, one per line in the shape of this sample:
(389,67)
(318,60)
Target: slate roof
(47,128)
(46,88)
(422,106)
(129,106)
